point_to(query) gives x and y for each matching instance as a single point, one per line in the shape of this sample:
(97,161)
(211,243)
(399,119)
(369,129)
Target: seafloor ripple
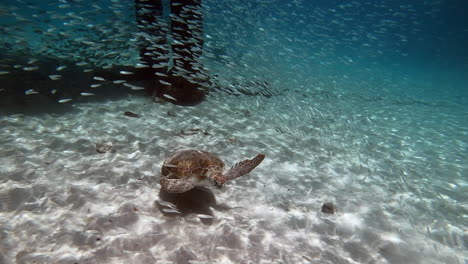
(62,202)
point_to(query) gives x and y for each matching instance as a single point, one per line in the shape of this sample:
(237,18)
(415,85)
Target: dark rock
(103,147)
(131,114)
(328,208)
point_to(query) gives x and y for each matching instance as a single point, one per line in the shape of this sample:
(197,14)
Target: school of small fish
(255,39)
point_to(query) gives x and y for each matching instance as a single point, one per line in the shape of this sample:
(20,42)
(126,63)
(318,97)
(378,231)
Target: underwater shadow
(200,200)
(45,93)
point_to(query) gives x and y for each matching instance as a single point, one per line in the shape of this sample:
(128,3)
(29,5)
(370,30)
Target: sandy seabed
(63,202)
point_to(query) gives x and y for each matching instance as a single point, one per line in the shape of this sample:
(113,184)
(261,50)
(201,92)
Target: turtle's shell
(191,163)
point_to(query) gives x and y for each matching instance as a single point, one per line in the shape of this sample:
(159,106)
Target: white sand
(62,202)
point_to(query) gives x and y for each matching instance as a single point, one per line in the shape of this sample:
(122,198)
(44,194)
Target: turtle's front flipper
(243,167)
(176,185)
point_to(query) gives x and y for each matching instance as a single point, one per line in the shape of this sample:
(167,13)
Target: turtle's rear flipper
(243,167)
(176,185)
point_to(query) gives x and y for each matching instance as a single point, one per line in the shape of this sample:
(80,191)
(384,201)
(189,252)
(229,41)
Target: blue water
(369,93)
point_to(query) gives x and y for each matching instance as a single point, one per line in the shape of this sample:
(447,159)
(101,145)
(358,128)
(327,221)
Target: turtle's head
(217,179)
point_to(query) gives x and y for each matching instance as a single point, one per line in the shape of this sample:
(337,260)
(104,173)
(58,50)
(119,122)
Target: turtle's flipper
(176,185)
(243,167)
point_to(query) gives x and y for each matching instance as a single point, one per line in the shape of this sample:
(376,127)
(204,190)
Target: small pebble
(131,114)
(328,208)
(103,147)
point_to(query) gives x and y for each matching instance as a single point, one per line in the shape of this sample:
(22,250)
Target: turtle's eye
(218,184)
(218,180)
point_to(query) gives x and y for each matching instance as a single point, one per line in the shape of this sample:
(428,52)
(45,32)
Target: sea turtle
(185,169)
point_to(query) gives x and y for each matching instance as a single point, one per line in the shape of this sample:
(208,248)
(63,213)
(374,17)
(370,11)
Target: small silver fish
(158,66)
(97,78)
(81,63)
(164,82)
(223,248)
(160,74)
(167,204)
(30,68)
(4,72)
(95,85)
(126,72)
(133,87)
(169,97)
(30,92)
(171,211)
(32,60)
(62,101)
(86,94)
(137,88)
(139,66)
(118,81)
(205,216)
(55,77)
(59,68)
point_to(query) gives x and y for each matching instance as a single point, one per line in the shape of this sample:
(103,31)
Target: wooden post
(185,82)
